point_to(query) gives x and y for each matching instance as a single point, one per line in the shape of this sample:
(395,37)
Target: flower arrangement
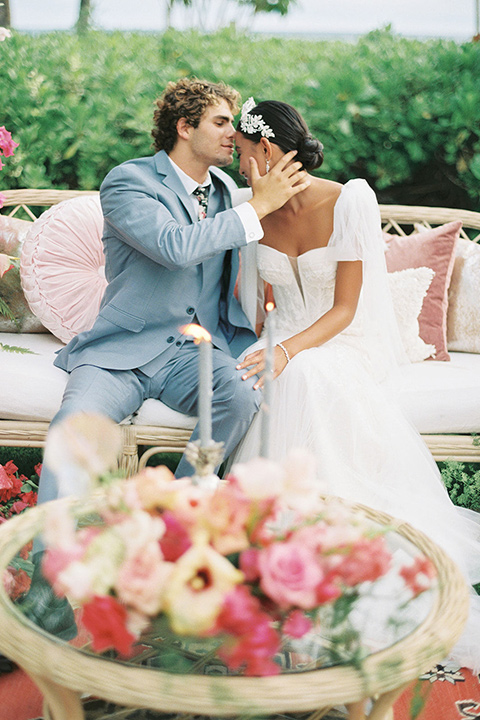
(260,561)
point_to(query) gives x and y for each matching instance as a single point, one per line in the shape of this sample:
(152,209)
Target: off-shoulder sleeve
(357,235)
(357,229)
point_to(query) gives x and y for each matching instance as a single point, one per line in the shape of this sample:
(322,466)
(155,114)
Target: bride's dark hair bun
(310,152)
(290,132)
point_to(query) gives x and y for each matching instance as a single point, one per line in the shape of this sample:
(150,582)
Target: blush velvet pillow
(62,266)
(435,249)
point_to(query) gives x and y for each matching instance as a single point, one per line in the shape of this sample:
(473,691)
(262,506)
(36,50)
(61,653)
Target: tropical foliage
(402,113)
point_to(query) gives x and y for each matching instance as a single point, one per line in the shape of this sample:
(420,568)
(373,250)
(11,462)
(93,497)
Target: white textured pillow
(463,316)
(408,288)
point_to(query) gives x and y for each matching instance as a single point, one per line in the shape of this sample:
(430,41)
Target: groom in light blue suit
(169,262)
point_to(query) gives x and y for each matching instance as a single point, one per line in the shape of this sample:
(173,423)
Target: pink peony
(142,579)
(290,574)
(55,561)
(259,478)
(4,34)
(227,515)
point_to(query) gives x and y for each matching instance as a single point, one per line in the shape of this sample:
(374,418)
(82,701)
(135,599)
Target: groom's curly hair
(187,98)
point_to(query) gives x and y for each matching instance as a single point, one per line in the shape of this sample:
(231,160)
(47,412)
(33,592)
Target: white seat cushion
(436,397)
(442,397)
(32,387)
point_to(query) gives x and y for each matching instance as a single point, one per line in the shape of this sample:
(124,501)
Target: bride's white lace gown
(335,400)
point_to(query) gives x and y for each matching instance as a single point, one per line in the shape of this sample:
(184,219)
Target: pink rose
(290,574)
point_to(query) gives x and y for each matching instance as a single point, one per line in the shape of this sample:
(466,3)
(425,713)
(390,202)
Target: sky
(455,19)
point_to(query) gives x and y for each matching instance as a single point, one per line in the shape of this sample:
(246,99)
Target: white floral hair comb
(252,124)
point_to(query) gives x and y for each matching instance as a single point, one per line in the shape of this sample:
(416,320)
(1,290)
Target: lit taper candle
(202,338)
(267,382)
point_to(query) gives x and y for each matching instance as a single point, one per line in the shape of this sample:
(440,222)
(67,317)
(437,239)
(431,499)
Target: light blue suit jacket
(154,250)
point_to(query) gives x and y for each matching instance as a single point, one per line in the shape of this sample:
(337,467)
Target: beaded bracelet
(285,351)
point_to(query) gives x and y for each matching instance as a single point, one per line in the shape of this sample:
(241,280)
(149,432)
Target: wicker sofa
(434,394)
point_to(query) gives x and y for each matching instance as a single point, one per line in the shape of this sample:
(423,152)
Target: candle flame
(269,306)
(198,333)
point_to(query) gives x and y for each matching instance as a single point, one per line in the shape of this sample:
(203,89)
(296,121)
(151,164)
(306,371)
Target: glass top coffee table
(65,673)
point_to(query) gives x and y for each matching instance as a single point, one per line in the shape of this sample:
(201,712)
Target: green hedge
(402,113)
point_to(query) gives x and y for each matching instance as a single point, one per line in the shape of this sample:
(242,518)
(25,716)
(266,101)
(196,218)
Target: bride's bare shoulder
(326,192)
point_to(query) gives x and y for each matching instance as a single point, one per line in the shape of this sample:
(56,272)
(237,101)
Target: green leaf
(15,349)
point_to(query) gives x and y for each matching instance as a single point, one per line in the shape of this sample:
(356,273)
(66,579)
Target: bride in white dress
(339,345)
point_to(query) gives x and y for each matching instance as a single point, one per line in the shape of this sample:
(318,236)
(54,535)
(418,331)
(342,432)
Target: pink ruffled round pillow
(62,266)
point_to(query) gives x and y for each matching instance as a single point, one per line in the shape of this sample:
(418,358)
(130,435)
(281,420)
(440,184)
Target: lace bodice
(303,287)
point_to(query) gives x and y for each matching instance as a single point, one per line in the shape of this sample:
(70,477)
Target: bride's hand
(256,362)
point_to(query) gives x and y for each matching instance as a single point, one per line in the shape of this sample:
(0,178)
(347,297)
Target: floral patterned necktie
(201,193)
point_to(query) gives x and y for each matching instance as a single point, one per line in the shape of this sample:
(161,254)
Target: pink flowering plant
(260,565)
(7,262)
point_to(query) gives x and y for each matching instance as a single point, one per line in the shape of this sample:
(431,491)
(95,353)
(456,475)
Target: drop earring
(267,166)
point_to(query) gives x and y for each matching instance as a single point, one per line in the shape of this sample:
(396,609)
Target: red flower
(18,506)
(418,575)
(175,541)
(367,560)
(253,652)
(30,498)
(106,620)
(38,469)
(26,550)
(10,485)
(240,612)
(16,582)
(297,624)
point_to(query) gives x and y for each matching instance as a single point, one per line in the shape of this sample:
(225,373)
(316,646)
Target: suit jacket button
(190,310)
(170,339)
